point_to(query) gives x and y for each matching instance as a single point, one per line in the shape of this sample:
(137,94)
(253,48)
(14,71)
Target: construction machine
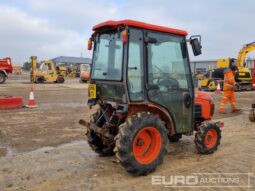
(207,82)
(215,75)
(141,82)
(243,76)
(47,72)
(5,69)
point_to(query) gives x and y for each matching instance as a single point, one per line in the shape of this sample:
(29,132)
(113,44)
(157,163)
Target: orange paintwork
(211,138)
(124,36)
(137,24)
(90,44)
(205,100)
(85,75)
(147,145)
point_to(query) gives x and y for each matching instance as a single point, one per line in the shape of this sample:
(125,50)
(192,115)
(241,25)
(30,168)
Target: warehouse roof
(66,59)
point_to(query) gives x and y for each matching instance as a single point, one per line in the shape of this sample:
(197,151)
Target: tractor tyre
(95,141)
(141,143)
(60,79)
(252,115)
(175,138)
(2,78)
(207,138)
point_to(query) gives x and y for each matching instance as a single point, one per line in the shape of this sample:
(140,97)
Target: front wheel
(60,79)
(141,143)
(40,80)
(207,138)
(2,78)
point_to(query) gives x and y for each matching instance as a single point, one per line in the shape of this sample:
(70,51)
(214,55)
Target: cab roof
(114,24)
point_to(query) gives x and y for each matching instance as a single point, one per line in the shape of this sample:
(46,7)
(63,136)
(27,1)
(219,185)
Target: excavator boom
(243,52)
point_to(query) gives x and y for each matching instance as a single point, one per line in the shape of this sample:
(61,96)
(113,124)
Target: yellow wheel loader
(47,72)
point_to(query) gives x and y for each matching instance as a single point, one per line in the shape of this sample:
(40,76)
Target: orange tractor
(142,84)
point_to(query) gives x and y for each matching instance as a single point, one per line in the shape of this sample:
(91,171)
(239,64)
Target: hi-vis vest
(229,80)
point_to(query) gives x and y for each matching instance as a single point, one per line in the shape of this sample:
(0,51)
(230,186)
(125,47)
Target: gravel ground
(45,148)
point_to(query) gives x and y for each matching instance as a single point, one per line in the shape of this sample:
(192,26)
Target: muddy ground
(45,148)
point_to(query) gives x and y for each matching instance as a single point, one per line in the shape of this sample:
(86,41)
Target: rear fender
(205,100)
(156,110)
(4,72)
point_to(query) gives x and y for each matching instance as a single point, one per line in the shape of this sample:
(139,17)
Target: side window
(135,66)
(49,66)
(167,62)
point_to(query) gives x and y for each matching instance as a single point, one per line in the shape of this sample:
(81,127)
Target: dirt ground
(45,148)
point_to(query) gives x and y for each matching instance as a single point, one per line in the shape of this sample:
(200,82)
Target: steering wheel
(168,83)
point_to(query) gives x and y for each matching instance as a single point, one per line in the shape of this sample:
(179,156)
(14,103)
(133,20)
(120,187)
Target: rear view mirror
(196,44)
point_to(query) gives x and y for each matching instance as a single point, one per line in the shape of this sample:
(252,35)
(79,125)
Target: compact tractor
(141,83)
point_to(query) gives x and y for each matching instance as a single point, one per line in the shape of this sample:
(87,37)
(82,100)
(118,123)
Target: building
(202,66)
(71,61)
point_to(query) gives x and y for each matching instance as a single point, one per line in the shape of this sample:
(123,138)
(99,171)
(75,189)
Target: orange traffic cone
(31,102)
(218,91)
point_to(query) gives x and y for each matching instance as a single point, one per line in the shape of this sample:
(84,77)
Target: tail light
(124,36)
(90,44)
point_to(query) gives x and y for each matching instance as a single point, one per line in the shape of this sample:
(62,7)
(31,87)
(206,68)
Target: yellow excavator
(47,72)
(243,77)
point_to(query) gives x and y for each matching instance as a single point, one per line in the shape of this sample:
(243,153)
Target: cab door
(169,81)
(50,73)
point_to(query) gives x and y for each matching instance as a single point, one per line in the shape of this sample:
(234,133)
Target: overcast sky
(51,28)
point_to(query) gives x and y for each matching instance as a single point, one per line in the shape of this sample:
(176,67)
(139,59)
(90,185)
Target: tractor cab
(142,82)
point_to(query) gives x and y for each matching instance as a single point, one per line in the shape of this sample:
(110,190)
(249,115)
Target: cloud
(224,26)
(52,28)
(23,35)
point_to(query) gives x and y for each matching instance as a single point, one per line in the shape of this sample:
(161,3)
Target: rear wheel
(141,143)
(40,80)
(207,138)
(2,77)
(95,141)
(252,115)
(60,79)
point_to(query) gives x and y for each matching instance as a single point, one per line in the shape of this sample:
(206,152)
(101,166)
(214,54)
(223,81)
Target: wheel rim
(211,138)
(147,145)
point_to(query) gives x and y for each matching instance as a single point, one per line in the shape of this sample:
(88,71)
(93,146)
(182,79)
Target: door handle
(187,100)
